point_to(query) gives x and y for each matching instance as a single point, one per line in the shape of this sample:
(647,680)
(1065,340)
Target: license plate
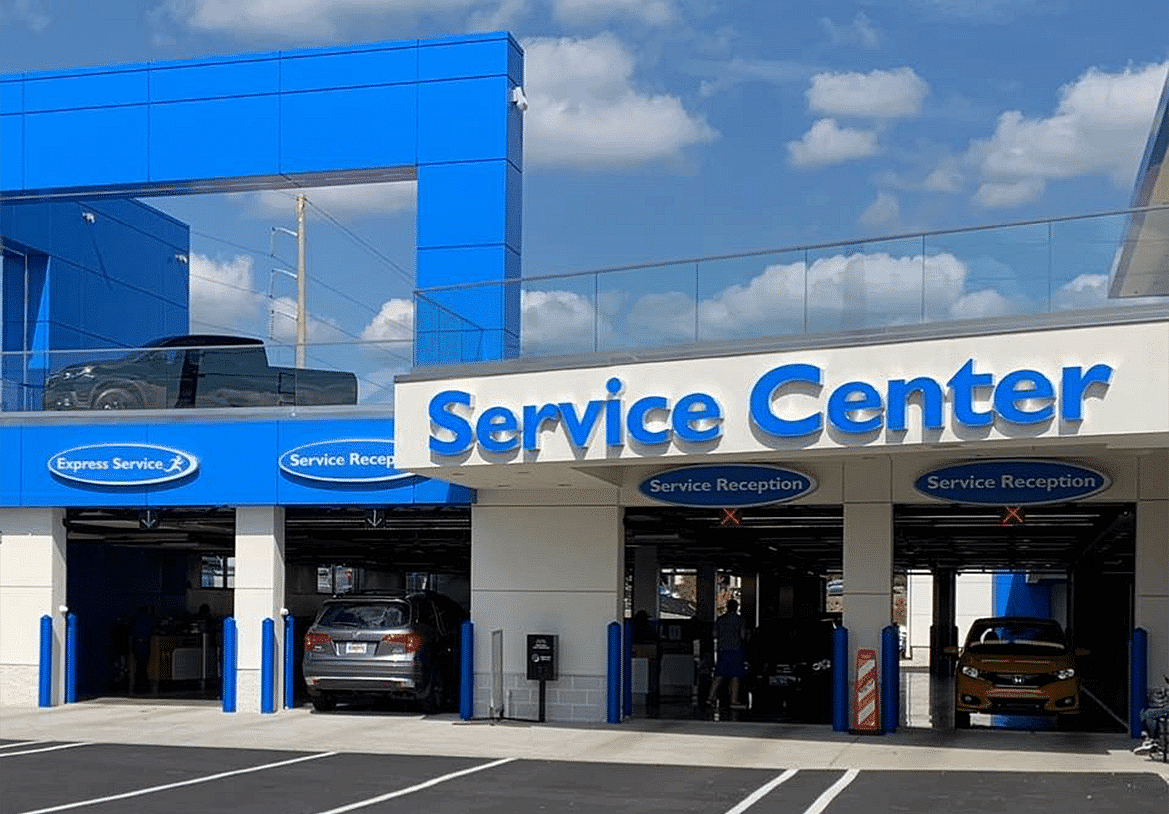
(355,647)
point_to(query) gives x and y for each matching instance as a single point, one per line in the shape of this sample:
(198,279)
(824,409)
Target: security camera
(518,99)
(88,217)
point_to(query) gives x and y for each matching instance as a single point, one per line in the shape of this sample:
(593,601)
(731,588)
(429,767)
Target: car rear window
(1016,634)
(365,615)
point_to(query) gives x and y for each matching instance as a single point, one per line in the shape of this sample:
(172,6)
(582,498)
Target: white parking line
(830,793)
(762,792)
(403,792)
(45,749)
(191,782)
(15,744)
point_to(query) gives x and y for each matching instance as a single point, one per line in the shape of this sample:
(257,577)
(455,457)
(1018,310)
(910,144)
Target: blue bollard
(290,652)
(70,658)
(627,671)
(1138,691)
(890,678)
(45,677)
(840,679)
(613,710)
(229,658)
(467,670)
(268,666)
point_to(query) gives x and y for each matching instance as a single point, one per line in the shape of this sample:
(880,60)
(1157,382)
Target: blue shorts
(730,664)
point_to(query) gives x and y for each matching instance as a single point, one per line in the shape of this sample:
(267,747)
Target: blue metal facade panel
(238,466)
(215,138)
(11,149)
(462,58)
(75,90)
(11,96)
(465,205)
(354,128)
(212,80)
(94,147)
(463,120)
(325,70)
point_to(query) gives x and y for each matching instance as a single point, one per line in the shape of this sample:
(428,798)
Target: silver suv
(397,644)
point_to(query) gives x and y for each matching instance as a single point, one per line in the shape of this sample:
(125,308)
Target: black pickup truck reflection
(194,371)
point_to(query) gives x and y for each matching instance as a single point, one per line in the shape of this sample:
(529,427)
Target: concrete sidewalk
(729,744)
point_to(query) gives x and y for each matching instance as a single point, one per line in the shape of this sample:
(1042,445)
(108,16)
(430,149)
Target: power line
(407,276)
(242,247)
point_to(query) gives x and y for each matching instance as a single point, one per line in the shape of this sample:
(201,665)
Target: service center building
(1035,445)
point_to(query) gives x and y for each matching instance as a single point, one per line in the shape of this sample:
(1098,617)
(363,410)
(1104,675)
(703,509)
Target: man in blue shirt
(730,632)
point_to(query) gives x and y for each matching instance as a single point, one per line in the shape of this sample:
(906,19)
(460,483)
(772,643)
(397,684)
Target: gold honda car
(1016,665)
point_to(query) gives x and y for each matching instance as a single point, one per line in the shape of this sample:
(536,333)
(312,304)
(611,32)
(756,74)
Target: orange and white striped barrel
(866,707)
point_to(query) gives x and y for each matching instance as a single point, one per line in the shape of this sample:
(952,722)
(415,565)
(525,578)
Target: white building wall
(259,595)
(973,599)
(1152,562)
(32,584)
(554,568)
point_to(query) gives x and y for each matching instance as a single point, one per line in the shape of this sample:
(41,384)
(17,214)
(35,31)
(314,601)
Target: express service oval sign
(122,464)
(1012,482)
(344,460)
(729,486)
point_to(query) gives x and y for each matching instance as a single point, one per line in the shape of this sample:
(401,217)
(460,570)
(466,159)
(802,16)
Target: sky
(662,129)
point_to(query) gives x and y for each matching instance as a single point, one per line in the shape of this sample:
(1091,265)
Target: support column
(259,595)
(868,557)
(1151,589)
(944,630)
(556,569)
(32,584)
(646,580)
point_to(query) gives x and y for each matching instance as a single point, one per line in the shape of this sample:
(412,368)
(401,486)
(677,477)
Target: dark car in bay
(789,668)
(197,370)
(400,644)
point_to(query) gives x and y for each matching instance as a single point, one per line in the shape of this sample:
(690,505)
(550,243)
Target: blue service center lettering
(353,459)
(1020,397)
(63,464)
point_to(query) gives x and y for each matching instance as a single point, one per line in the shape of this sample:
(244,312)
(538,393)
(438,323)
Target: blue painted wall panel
(462,205)
(216,138)
(40,488)
(11,151)
(10,463)
(211,80)
(12,97)
(74,90)
(348,69)
(232,457)
(85,148)
(459,60)
(463,120)
(352,129)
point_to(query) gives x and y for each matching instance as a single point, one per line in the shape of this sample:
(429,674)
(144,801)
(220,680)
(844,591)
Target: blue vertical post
(840,679)
(1138,685)
(71,658)
(890,677)
(467,670)
(613,712)
(290,653)
(229,655)
(627,671)
(45,678)
(268,666)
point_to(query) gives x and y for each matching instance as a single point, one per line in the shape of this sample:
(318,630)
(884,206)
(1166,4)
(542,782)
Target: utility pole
(301,284)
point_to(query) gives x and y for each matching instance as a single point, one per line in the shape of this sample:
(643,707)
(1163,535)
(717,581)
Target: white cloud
(320,330)
(1098,128)
(393,323)
(654,12)
(828,143)
(860,31)
(558,322)
(877,94)
(222,295)
(884,211)
(316,19)
(33,14)
(946,177)
(346,200)
(585,111)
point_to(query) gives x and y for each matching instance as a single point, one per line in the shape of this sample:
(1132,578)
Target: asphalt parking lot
(39,777)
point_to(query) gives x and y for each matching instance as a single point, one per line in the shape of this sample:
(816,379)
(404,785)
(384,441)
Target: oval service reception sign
(345,460)
(730,486)
(122,464)
(1013,482)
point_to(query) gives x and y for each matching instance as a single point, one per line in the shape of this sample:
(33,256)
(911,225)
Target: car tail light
(317,643)
(403,642)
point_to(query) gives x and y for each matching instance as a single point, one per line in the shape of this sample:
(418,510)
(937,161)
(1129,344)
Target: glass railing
(1016,269)
(178,375)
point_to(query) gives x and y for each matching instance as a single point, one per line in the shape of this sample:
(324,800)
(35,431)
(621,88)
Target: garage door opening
(781,564)
(1072,563)
(150,590)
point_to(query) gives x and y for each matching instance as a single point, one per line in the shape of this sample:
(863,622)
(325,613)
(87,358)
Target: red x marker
(1013,514)
(730,517)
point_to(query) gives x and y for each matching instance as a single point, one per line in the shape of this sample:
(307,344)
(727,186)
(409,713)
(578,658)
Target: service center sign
(731,486)
(122,464)
(1012,482)
(345,460)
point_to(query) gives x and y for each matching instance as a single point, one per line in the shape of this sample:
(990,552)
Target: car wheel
(116,398)
(435,698)
(323,702)
(961,720)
